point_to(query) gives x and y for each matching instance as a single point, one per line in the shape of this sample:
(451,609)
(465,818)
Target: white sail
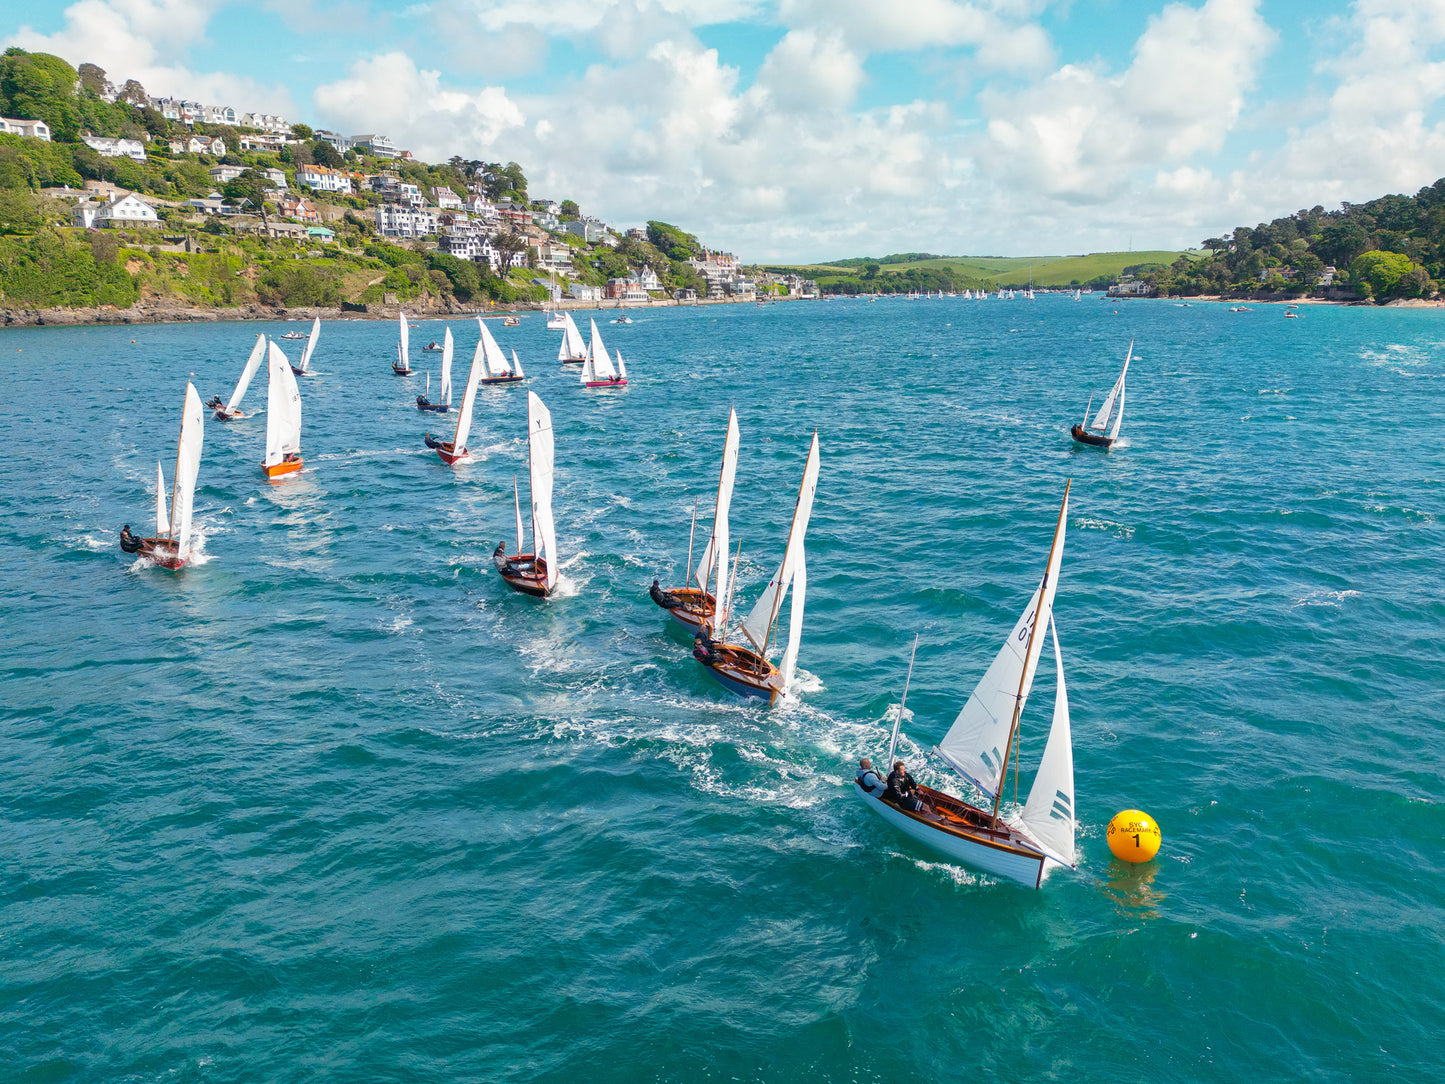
(445,395)
(496,360)
(1118,413)
(795,620)
(188,465)
(310,344)
(252,364)
(621,368)
(469,400)
(586,376)
(1116,394)
(539,463)
(718,543)
(163,518)
(572,347)
(758,625)
(517,508)
(516,365)
(403,345)
(283,408)
(977,743)
(597,359)
(1049,812)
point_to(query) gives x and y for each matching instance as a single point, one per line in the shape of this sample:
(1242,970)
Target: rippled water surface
(334,804)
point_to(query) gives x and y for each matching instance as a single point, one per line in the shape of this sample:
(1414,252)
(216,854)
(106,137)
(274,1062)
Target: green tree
(92,78)
(570,211)
(1381,272)
(40,86)
(324,154)
(302,131)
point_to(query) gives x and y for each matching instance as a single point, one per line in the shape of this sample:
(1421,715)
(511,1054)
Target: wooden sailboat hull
(573,361)
(299,372)
(501,380)
(1093,440)
(620,382)
(435,408)
(742,671)
(224,415)
(161,552)
(695,610)
(523,572)
(446,452)
(964,835)
(399,371)
(278,470)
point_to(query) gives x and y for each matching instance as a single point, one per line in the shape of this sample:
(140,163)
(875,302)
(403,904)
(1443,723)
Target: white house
(553,257)
(470,241)
(266,122)
(395,220)
(446,199)
(378,146)
(123,211)
(582,292)
(199,144)
(226,174)
(218,114)
(115,148)
(648,279)
(478,206)
(262,141)
(35,129)
(340,142)
(275,176)
(323,179)
(589,229)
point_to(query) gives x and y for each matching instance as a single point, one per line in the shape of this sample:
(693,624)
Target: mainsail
(598,365)
(469,400)
(976,746)
(163,518)
(1049,813)
(718,543)
(310,344)
(758,625)
(1115,399)
(539,462)
(572,348)
(403,346)
(188,465)
(283,408)
(496,360)
(516,365)
(252,364)
(445,395)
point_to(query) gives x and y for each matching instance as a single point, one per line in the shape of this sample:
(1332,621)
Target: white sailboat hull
(1010,860)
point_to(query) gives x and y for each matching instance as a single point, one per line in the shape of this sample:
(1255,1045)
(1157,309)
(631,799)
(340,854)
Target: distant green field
(1015,270)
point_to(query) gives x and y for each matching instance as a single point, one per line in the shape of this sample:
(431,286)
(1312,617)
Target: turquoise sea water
(334,804)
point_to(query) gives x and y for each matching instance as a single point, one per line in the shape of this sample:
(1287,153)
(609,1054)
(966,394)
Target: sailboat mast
(691,534)
(1087,409)
(176,476)
(1028,651)
(778,602)
(893,741)
(721,630)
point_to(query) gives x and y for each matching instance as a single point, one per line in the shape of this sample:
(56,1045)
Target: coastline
(164,312)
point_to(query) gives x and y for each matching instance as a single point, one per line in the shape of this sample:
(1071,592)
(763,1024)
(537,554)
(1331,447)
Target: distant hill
(914,271)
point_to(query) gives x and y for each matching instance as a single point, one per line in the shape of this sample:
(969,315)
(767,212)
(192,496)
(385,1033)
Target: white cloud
(390,94)
(139,39)
(1000,42)
(1081,133)
(808,71)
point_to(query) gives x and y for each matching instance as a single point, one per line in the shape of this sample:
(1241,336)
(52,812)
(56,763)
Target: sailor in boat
(704,649)
(902,791)
(666,599)
(215,403)
(868,779)
(129,543)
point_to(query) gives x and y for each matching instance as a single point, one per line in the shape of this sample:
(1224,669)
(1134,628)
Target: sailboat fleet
(745,654)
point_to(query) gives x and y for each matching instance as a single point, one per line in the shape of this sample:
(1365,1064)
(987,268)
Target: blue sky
(807,129)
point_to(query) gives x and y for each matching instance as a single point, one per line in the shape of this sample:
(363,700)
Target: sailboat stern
(1001,852)
(283,468)
(741,671)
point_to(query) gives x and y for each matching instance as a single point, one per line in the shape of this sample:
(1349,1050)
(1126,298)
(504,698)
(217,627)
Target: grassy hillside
(895,274)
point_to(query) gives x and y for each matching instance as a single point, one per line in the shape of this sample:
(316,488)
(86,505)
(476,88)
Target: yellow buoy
(1134,836)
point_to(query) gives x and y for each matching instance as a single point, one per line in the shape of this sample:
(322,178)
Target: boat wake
(1332,599)
(1119,530)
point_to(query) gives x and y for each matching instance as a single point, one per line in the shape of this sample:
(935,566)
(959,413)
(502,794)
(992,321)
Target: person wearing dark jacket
(902,790)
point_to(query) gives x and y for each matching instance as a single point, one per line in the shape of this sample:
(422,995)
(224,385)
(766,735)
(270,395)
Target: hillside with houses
(110,196)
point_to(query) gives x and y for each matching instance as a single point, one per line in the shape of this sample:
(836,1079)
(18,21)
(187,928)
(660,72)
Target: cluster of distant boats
(737,651)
